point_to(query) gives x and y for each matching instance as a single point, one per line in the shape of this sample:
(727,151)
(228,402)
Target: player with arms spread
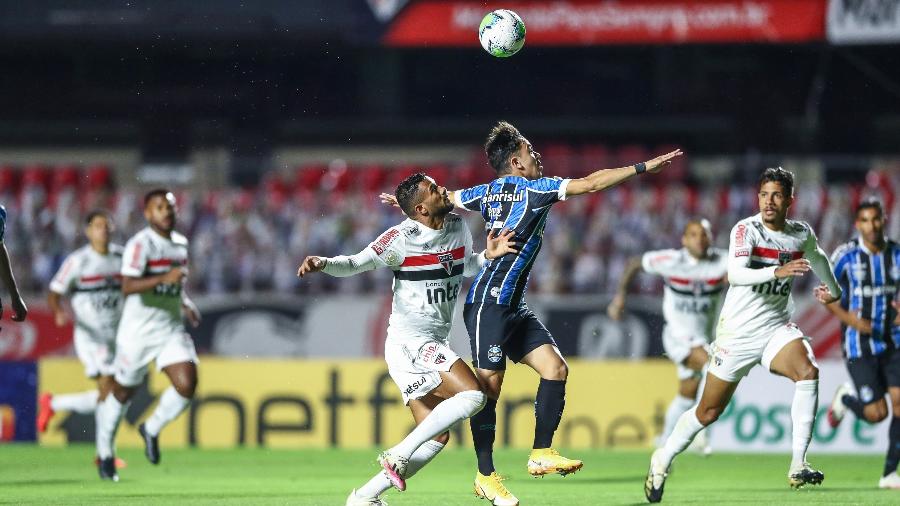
(154,268)
(765,253)
(498,321)
(18,305)
(429,253)
(694,276)
(92,277)
(868,270)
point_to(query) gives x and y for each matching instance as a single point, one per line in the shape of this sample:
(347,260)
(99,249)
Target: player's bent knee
(707,416)
(808,372)
(474,400)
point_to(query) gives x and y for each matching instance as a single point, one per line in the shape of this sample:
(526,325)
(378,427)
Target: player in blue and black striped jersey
(868,270)
(499,323)
(18,305)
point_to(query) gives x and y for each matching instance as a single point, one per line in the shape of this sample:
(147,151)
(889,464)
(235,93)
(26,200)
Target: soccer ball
(502,33)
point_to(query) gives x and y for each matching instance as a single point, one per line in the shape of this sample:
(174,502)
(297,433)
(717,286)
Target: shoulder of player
(798,227)
(396,235)
(662,256)
(845,249)
(717,254)
(178,238)
(116,249)
(543,184)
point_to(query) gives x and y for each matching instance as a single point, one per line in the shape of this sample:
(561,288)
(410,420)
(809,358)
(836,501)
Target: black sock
(484,428)
(854,404)
(548,410)
(893,453)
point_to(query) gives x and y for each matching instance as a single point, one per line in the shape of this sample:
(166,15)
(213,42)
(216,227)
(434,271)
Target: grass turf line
(30,474)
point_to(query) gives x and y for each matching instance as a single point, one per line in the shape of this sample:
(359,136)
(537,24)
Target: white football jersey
(749,309)
(94,282)
(428,269)
(693,288)
(155,313)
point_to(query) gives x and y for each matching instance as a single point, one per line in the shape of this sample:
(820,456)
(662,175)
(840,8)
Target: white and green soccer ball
(502,33)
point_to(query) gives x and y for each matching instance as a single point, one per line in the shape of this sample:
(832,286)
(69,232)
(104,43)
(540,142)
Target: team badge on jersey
(784,257)
(446,260)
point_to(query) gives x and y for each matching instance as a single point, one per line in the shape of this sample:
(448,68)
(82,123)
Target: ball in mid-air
(502,33)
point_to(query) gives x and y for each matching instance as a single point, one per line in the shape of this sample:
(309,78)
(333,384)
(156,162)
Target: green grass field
(33,475)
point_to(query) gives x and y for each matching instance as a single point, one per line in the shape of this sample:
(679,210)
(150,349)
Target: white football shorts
(416,364)
(733,355)
(134,355)
(96,349)
(679,345)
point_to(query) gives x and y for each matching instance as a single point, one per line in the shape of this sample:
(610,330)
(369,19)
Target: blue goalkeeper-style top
(2,222)
(521,205)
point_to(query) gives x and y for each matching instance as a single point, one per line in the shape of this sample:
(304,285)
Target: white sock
(803,416)
(687,427)
(442,417)
(677,407)
(83,402)
(107,417)
(380,483)
(171,404)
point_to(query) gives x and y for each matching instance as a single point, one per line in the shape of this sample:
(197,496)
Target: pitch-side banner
(863,21)
(585,23)
(759,417)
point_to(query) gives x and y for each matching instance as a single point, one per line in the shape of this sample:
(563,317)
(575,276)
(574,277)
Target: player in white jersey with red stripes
(154,268)
(429,253)
(90,276)
(695,277)
(765,253)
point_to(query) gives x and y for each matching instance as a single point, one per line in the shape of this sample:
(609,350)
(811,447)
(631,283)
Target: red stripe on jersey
(685,281)
(774,253)
(716,281)
(162,262)
(680,281)
(99,277)
(432,259)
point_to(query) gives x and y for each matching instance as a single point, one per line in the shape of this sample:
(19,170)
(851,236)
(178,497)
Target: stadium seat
(558,159)
(99,176)
(630,154)
(371,178)
(9,180)
(308,177)
(594,157)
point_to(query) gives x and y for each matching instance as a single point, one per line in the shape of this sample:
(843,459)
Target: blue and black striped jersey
(869,282)
(2,222)
(521,205)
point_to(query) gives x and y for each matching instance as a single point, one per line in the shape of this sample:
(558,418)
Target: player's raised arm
(386,251)
(617,306)
(607,178)
(822,268)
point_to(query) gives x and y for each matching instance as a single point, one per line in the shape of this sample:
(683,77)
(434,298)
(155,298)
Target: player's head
(870,221)
(420,197)
(776,194)
(159,210)
(509,152)
(697,237)
(98,227)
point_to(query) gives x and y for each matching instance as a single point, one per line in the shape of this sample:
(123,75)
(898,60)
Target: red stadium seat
(36,175)
(400,173)
(441,175)
(630,154)
(99,176)
(308,177)
(558,159)
(66,176)
(371,178)
(468,176)
(337,179)
(9,179)
(594,157)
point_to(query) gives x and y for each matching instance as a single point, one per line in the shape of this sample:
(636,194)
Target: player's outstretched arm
(340,266)
(821,266)
(132,284)
(60,316)
(607,178)
(190,310)
(20,310)
(617,306)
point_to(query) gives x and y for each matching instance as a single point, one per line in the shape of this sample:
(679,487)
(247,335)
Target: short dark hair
(94,214)
(502,143)
(779,175)
(869,203)
(158,192)
(407,193)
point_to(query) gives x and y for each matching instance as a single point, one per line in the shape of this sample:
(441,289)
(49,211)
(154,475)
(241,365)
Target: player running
(765,253)
(91,277)
(18,305)
(694,277)
(153,272)
(498,321)
(429,253)
(868,270)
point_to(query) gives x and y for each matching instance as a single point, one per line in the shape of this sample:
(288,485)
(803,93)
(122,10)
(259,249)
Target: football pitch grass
(30,474)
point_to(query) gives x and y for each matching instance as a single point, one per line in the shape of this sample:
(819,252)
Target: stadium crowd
(250,239)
